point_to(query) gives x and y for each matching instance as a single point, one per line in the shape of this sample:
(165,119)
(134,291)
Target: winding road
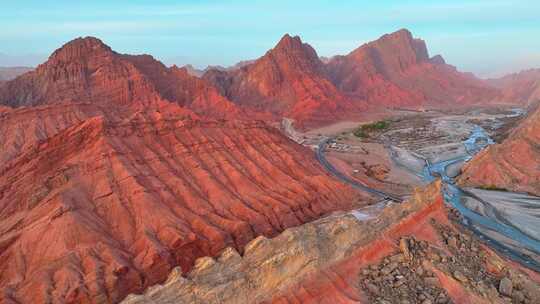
(328,166)
(453,195)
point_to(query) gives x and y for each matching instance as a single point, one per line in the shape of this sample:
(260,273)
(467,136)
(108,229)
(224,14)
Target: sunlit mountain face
(283,153)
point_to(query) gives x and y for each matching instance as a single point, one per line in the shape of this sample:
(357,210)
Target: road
(326,164)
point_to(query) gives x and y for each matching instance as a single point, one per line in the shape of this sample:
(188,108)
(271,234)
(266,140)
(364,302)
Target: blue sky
(487,37)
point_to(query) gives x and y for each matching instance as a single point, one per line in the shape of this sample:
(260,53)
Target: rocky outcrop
(410,252)
(513,164)
(109,207)
(288,80)
(395,71)
(86,70)
(522,88)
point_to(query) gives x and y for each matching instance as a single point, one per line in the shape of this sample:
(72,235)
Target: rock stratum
(513,164)
(411,252)
(104,208)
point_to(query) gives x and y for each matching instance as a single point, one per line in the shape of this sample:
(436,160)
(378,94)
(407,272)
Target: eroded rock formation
(342,260)
(105,208)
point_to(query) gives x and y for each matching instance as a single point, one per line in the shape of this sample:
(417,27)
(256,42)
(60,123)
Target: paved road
(326,164)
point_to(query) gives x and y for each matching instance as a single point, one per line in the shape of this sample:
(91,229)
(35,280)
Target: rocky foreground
(411,253)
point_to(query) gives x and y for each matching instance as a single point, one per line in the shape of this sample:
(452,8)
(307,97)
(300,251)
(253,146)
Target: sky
(486,37)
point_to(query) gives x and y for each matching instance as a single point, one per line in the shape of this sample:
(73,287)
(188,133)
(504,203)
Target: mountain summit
(86,70)
(396,70)
(289,80)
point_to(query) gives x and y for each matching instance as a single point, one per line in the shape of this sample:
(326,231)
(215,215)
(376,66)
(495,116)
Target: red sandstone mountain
(514,164)
(288,80)
(396,70)
(86,70)
(105,208)
(108,179)
(522,87)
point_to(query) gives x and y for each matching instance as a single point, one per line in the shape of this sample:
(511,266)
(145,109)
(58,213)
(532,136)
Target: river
(495,227)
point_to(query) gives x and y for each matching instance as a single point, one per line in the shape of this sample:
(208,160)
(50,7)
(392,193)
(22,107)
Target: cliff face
(288,80)
(514,164)
(411,251)
(105,208)
(395,70)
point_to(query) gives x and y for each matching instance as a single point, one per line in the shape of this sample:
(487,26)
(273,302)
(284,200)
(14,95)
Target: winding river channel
(481,223)
(507,222)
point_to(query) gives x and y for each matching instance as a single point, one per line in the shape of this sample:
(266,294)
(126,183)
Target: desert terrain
(385,175)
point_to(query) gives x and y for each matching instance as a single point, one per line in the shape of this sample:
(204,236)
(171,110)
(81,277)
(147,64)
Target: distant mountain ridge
(9,73)
(290,80)
(522,87)
(87,70)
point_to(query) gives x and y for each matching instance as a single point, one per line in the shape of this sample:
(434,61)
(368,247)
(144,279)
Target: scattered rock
(518,296)
(505,287)
(460,277)
(372,288)
(404,247)
(452,242)
(432,281)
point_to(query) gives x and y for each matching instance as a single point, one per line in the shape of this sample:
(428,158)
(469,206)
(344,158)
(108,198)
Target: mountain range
(115,169)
